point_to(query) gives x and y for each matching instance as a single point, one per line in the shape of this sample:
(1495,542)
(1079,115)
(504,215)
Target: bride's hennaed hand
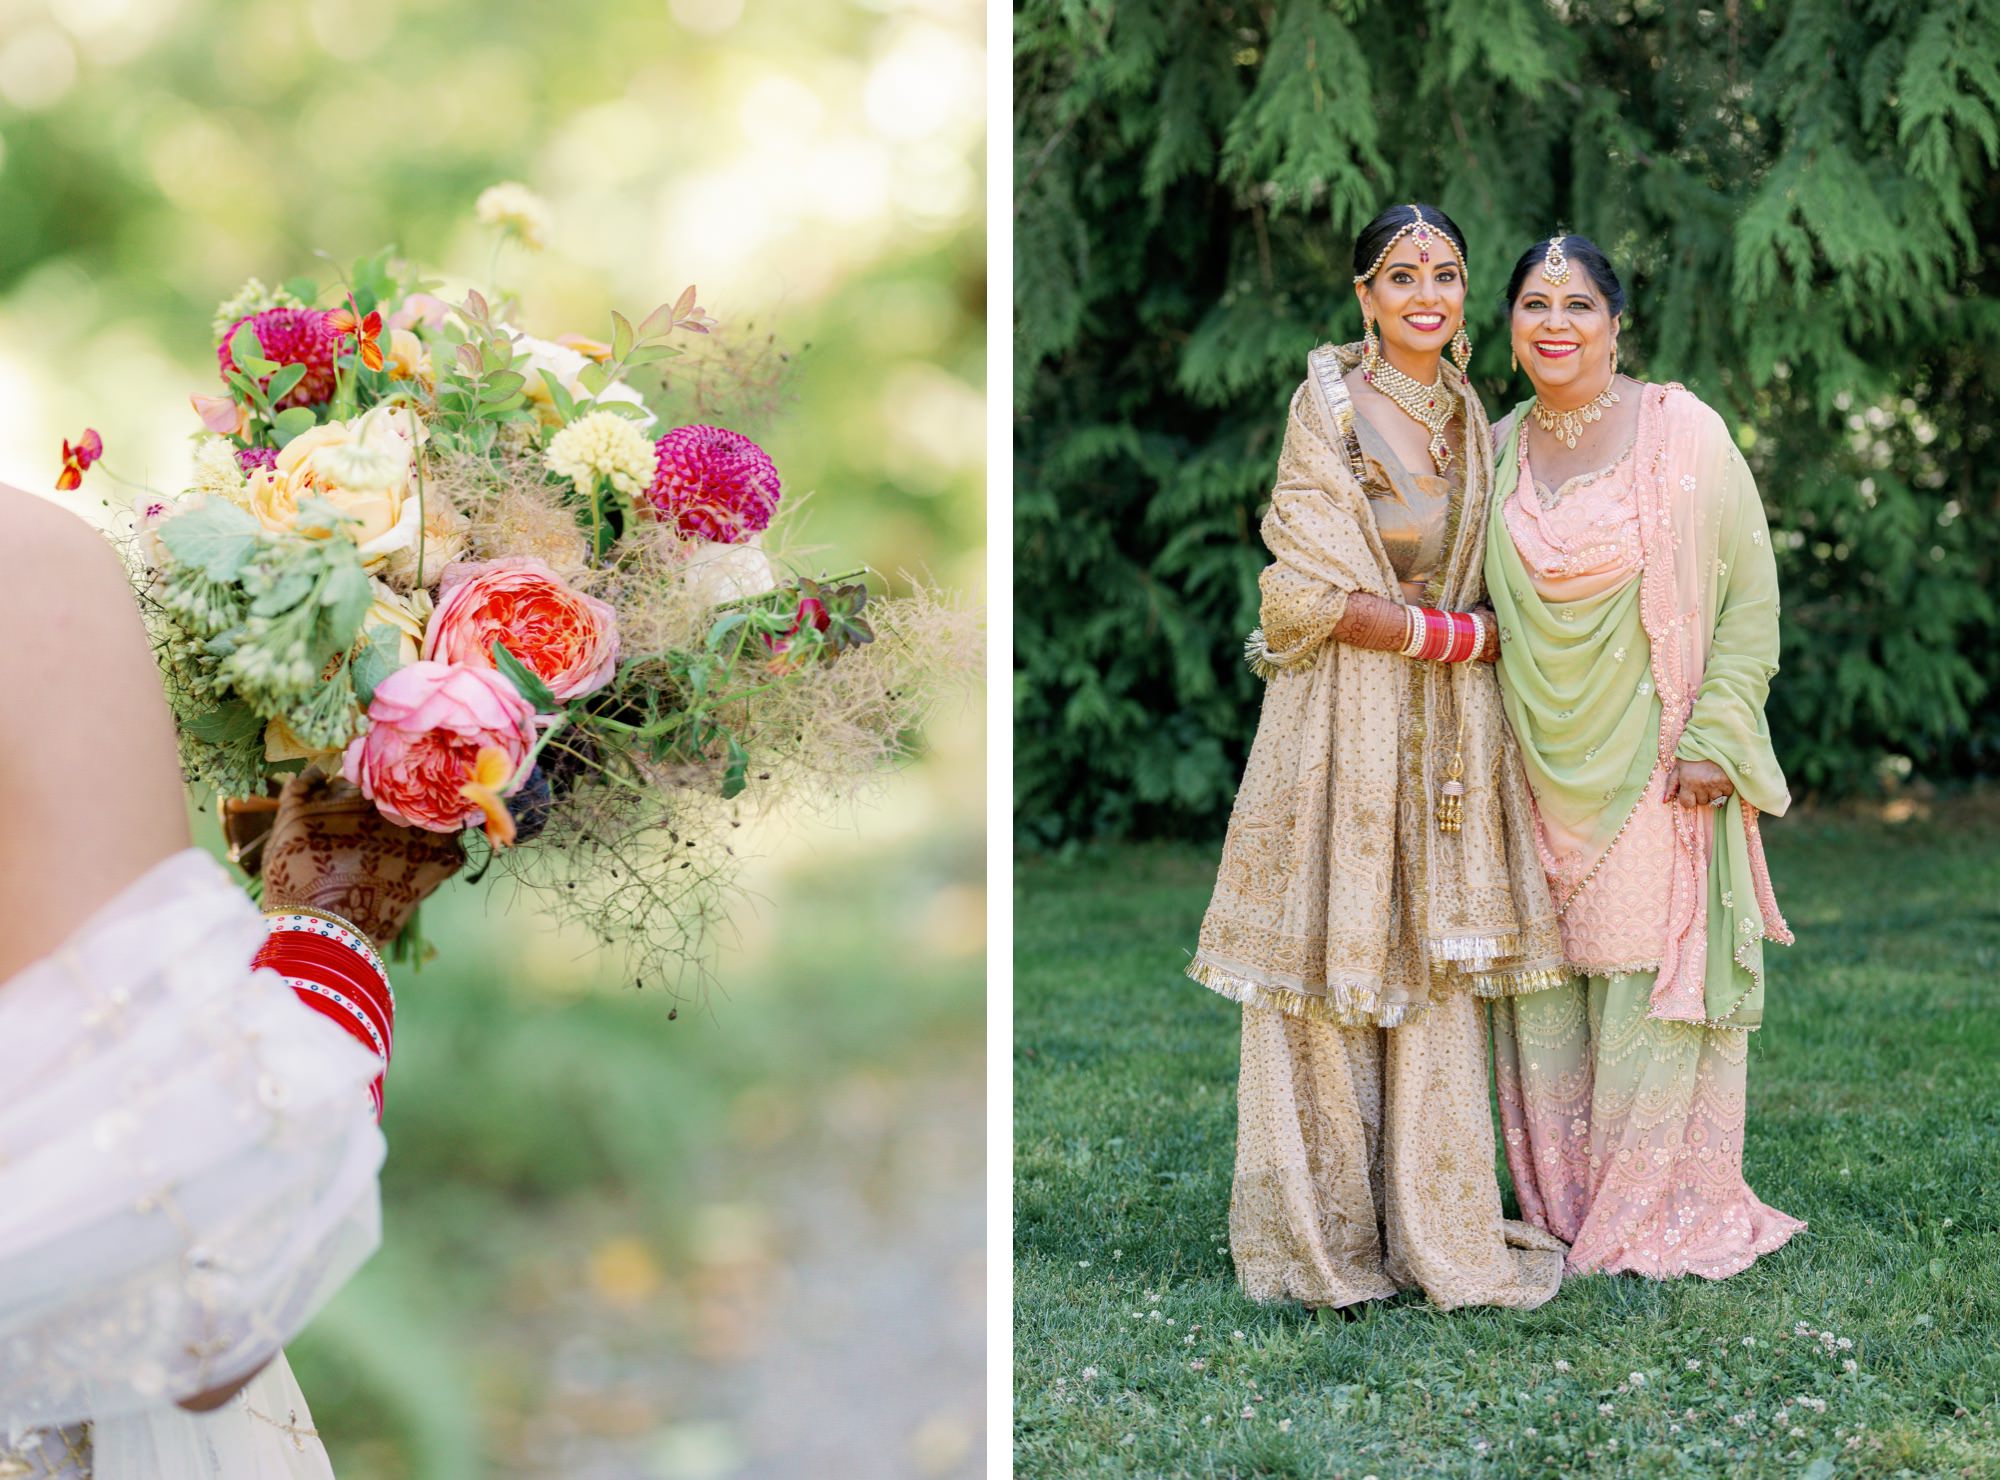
(331,849)
(1696,784)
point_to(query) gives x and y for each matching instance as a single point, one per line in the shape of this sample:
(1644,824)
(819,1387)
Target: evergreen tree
(1799,197)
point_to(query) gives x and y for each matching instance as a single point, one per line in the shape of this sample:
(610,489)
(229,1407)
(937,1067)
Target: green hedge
(1802,200)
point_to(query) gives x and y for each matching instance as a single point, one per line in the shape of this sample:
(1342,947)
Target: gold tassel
(1451,799)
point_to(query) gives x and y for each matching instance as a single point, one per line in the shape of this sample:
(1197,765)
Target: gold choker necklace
(1567,426)
(1431,406)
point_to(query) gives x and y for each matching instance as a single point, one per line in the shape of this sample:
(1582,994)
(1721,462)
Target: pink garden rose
(426,726)
(570,640)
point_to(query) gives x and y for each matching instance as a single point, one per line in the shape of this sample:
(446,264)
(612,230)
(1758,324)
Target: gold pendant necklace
(1430,406)
(1568,426)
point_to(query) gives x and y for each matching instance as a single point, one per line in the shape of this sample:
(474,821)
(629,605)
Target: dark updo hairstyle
(1377,234)
(1581,252)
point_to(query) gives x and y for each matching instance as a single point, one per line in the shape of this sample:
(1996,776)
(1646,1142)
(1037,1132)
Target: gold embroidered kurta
(1338,897)
(1358,936)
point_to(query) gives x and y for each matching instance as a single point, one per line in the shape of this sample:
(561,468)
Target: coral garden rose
(570,640)
(361,467)
(713,484)
(426,727)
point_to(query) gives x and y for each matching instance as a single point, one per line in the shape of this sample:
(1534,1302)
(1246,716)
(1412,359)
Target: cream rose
(361,467)
(567,366)
(406,616)
(409,359)
(446,534)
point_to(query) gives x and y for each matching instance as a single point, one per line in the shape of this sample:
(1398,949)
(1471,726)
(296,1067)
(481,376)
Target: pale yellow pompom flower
(603,444)
(218,474)
(514,208)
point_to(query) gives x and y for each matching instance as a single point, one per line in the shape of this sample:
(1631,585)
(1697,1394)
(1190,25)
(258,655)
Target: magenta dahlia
(714,484)
(249,459)
(292,336)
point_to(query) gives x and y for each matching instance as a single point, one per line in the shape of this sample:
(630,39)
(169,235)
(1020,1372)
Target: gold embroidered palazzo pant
(1365,1165)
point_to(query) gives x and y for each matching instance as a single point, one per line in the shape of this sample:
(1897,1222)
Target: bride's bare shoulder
(39,534)
(61,580)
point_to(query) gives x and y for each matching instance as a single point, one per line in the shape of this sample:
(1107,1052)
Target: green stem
(534,754)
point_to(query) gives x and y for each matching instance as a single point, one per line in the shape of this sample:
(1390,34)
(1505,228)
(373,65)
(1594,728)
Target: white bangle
(1478,637)
(1414,632)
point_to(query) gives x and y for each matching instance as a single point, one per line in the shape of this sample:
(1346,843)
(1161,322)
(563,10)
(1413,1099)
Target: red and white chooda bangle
(336,971)
(1442,637)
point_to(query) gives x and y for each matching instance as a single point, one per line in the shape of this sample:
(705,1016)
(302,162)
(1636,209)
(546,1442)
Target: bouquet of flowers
(475,577)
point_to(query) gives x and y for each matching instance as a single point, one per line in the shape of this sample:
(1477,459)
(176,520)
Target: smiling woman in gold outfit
(1379,875)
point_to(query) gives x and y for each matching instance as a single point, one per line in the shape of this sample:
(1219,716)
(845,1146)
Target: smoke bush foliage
(1800,197)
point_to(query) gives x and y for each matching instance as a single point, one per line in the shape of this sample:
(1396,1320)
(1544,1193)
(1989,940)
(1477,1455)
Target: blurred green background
(749,1240)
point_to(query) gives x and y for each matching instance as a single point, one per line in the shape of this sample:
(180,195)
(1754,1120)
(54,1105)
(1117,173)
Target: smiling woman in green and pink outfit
(1630,567)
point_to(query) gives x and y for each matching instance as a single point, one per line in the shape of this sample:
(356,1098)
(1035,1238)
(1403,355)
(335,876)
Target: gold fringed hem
(1518,981)
(1342,1006)
(1459,949)
(1266,664)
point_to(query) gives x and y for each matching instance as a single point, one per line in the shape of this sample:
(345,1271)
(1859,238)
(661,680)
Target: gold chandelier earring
(1369,343)
(1461,353)
(1513,361)
(1614,357)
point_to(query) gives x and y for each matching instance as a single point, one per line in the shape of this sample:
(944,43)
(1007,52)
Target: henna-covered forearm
(1373,622)
(1382,625)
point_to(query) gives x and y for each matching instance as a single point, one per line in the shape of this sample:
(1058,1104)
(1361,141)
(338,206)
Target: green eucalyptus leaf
(292,587)
(217,537)
(720,632)
(346,595)
(258,367)
(735,774)
(248,391)
(499,410)
(621,335)
(594,377)
(229,723)
(651,354)
(659,321)
(503,385)
(565,403)
(627,409)
(285,381)
(302,288)
(374,660)
(496,354)
(291,422)
(243,345)
(524,679)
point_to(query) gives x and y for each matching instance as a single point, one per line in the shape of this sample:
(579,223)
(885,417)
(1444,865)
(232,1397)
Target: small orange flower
(366,332)
(490,772)
(89,448)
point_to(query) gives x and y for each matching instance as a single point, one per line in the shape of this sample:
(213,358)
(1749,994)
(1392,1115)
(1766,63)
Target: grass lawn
(1874,1115)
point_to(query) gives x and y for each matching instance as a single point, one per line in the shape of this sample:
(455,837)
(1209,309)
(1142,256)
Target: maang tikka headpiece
(1424,235)
(1555,266)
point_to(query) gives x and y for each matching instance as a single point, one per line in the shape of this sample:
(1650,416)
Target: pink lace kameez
(1622,1096)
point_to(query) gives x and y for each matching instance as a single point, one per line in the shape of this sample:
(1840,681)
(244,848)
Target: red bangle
(1431,635)
(282,952)
(331,971)
(336,972)
(1462,637)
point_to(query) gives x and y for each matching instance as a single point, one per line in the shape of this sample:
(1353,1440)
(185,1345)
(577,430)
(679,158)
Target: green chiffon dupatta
(1674,663)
